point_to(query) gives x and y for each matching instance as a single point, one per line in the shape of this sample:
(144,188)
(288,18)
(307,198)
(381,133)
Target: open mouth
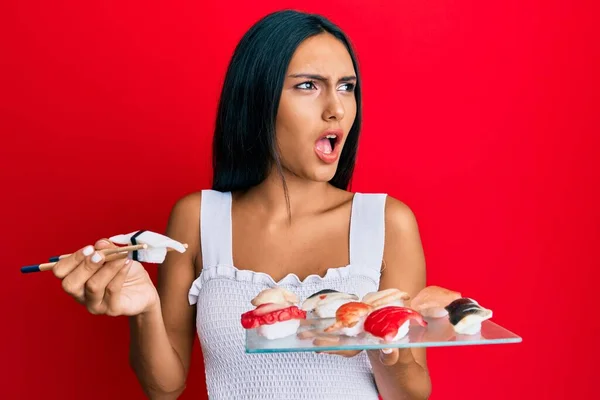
(328,143)
(332,141)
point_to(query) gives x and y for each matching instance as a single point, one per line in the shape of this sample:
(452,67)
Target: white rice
(402,331)
(471,324)
(279,329)
(355,330)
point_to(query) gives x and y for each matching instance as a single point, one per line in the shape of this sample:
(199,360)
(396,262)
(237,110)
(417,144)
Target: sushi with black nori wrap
(466,316)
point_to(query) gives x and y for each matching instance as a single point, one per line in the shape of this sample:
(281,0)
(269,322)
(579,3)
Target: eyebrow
(322,78)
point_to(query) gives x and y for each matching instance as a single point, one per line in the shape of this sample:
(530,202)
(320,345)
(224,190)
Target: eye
(309,85)
(349,87)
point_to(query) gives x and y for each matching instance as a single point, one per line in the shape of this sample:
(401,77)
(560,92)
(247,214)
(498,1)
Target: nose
(334,108)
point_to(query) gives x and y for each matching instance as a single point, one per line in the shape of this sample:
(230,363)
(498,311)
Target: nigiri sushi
(387,297)
(325,303)
(274,321)
(431,301)
(158,245)
(392,323)
(466,315)
(276,295)
(350,318)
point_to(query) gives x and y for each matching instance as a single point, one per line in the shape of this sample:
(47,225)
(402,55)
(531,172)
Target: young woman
(278,213)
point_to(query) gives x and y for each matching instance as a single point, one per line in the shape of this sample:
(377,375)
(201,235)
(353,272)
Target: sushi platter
(334,321)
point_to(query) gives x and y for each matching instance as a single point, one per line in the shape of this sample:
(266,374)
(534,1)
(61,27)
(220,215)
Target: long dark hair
(244,144)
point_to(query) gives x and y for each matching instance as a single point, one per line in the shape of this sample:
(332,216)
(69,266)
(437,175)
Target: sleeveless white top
(222,293)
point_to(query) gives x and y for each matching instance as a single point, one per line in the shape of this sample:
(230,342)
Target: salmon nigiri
(350,318)
(432,300)
(392,323)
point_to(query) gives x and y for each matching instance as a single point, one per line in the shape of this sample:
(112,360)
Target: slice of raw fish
(431,301)
(392,323)
(325,303)
(277,295)
(350,318)
(158,245)
(387,297)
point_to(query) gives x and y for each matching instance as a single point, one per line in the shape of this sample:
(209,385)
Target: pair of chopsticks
(109,254)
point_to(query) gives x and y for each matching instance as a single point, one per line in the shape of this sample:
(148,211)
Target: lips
(327,146)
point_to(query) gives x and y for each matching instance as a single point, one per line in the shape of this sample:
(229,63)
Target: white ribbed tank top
(222,293)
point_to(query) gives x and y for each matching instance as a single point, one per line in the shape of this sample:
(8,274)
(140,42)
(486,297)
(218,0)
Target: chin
(324,173)
(313,172)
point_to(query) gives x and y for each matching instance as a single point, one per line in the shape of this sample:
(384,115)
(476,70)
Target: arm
(162,337)
(403,374)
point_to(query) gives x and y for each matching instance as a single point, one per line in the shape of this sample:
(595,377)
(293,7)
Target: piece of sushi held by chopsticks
(158,245)
(431,301)
(392,323)
(324,303)
(144,246)
(275,315)
(466,316)
(387,297)
(350,319)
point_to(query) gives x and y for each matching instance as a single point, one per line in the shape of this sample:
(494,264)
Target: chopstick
(106,252)
(119,252)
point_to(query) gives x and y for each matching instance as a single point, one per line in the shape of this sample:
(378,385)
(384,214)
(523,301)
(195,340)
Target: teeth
(331,136)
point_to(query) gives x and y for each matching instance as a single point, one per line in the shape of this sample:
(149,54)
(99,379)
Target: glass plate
(438,333)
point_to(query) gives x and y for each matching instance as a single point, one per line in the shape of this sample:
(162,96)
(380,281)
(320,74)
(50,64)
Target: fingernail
(88,250)
(386,351)
(127,261)
(96,257)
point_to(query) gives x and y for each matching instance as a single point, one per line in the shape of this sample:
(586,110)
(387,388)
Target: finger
(64,266)
(389,356)
(103,244)
(97,285)
(113,289)
(76,280)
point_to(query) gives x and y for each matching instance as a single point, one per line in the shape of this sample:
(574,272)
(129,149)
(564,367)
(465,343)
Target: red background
(482,116)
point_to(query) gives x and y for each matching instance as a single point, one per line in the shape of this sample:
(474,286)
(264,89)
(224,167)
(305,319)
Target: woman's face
(317,108)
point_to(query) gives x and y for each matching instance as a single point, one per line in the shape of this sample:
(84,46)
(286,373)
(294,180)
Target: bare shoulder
(184,222)
(404,261)
(188,203)
(399,217)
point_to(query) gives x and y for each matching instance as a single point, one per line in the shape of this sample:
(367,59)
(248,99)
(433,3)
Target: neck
(304,195)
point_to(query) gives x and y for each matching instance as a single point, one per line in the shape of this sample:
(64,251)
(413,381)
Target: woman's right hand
(117,287)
